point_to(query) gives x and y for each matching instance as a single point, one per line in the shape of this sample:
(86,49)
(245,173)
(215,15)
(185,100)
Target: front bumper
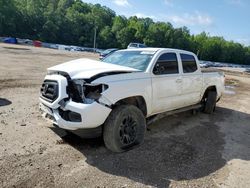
(92,115)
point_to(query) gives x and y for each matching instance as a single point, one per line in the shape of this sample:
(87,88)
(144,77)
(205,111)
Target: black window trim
(183,53)
(177,60)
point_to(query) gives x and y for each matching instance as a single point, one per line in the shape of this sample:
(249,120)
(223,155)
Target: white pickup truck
(114,97)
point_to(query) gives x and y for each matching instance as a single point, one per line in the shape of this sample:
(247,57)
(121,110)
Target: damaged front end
(87,93)
(78,105)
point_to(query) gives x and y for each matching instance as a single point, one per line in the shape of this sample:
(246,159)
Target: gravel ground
(182,150)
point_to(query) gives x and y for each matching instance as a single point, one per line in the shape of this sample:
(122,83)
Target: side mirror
(156,69)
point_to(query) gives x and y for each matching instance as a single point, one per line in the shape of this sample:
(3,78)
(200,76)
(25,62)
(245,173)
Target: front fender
(124,89)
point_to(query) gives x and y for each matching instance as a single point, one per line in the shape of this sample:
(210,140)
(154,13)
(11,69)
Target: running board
(168,113)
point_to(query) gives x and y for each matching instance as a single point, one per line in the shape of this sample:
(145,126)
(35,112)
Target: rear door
(191,79)
(166,83)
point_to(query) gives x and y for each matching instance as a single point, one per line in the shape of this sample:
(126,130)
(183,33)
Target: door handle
(178,81)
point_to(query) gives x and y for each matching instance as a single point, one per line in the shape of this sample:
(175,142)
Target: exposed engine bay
(81,91)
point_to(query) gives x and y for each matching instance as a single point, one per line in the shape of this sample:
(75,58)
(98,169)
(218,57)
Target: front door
(166,83)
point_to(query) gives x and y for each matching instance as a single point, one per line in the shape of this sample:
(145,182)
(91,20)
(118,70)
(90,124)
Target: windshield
(133,59)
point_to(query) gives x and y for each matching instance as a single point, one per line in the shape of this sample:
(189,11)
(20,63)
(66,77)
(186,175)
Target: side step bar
(155,118)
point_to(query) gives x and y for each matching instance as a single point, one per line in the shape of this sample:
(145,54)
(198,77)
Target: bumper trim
(92,115)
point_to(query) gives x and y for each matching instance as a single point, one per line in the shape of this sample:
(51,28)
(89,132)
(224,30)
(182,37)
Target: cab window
(188,63)
(166,64)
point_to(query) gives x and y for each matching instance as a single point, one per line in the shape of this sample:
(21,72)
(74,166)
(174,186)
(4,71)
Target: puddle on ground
(230,90)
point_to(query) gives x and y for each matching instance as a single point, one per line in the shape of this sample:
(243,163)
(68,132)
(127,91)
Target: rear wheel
(210,102)
(124,128)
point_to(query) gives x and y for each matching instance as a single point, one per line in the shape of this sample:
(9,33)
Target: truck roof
(158,49)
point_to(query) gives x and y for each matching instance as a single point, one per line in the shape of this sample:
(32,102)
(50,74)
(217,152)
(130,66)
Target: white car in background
(136,45)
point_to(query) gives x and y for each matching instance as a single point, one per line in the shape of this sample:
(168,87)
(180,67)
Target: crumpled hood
(86,68)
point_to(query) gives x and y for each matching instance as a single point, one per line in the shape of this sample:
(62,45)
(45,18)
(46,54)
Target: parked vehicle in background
(10,40)
(75,49)
(136,45)
(37,43)
(107,52)
(114,97)
(247,70)
(24,41)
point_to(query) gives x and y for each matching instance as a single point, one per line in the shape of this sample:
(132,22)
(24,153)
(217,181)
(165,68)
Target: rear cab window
(189,64)
(167,63)
(133,45)
(142,46)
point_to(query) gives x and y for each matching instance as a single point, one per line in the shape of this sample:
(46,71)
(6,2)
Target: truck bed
(207,70)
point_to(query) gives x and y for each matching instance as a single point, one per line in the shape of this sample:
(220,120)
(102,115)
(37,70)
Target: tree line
(73,22)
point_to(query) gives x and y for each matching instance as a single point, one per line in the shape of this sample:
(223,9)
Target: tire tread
(109,133)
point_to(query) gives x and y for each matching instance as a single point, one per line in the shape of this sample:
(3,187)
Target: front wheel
(124,128)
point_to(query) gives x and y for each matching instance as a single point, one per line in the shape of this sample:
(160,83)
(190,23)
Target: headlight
(89,92)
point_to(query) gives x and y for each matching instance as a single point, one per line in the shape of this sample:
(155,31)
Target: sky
(227,18)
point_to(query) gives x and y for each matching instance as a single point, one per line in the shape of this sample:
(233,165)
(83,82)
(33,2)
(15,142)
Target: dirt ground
(182,150)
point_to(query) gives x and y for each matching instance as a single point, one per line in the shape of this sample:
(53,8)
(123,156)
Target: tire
(124,128)
(210,102)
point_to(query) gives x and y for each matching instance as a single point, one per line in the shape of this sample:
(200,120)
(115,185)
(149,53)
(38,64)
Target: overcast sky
(227,18)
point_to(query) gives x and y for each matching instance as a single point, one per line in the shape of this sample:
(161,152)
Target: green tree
(106,38)
(74,22)
(8,18)
(159,35)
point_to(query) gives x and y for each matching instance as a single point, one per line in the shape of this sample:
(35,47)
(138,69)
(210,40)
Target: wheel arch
(209,88)
(137,101)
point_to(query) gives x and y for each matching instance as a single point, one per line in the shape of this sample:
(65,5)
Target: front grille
(49,90)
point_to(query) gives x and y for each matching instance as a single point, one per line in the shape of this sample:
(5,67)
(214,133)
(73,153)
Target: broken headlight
(89,92)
